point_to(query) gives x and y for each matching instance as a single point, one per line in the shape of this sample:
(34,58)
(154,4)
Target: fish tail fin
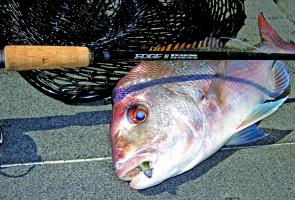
(271,38)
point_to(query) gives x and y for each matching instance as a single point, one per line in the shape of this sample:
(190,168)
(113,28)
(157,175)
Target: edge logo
(167,56)
(151,56)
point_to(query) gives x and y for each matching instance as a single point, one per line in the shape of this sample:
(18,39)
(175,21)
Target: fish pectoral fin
(216,88)
(261,111)
(247,135)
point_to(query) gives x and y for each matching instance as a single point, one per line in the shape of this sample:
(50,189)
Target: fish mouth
(128,169)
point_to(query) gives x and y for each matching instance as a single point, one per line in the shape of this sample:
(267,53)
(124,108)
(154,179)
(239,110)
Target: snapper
(168,116)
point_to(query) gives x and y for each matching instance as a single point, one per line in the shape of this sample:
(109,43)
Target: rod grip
(21,58)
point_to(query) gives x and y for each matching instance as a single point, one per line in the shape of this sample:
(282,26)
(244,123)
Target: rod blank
(190,55)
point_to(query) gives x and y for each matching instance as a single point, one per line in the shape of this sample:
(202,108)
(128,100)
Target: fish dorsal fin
(259,112)
(211,43)
(271,38)
(208,42)
(246,135)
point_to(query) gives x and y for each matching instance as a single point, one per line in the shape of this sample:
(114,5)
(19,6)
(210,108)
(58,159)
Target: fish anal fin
(261,111)
(246,135)
(281,78)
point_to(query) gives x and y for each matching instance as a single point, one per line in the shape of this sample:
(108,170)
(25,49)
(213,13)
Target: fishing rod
(22,58)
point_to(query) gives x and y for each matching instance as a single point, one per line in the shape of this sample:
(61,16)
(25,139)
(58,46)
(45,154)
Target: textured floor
(67,149)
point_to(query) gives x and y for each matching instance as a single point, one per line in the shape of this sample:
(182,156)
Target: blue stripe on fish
(121,93)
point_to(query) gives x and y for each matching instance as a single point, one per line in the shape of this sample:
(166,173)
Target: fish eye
(137,114)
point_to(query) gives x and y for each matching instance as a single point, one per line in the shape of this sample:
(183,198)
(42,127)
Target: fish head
(157,125)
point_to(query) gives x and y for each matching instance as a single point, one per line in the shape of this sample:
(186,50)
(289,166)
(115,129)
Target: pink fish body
(175,114)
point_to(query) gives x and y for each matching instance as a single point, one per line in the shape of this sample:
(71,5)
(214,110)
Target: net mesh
(109,24)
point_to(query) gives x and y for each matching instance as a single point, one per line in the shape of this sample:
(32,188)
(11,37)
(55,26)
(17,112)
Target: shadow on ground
(21,148)
(290,100)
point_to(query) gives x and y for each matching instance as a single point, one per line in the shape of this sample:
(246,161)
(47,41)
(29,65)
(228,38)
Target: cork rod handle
(21,58)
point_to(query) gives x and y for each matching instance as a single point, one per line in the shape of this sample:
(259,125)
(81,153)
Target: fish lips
(128,168)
